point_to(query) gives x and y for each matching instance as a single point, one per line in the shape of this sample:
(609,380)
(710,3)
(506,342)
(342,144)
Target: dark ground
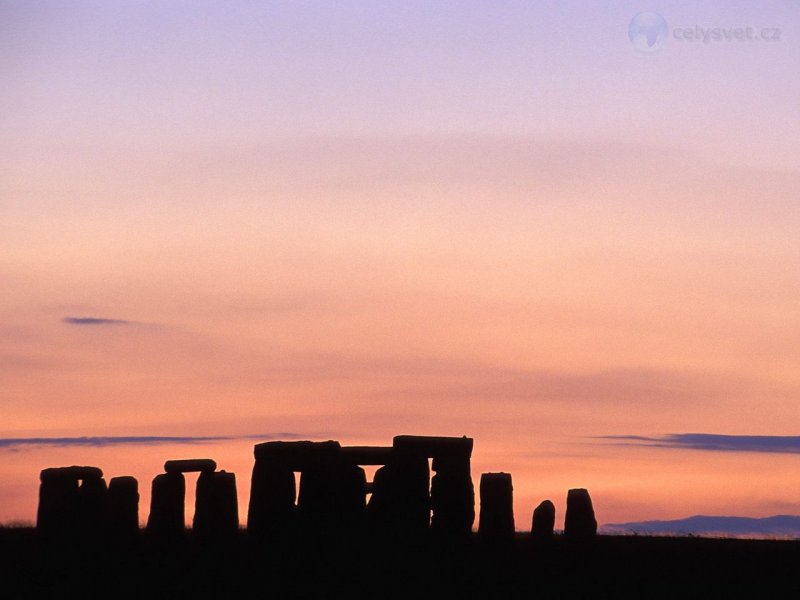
(611,567)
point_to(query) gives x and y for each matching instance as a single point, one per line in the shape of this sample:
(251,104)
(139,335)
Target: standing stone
(205,505)
(332,498)
(70,500)
(216,506)
(544,520)
(350,495)
(316,507)
(227,501)
(167,505)
(579,522)
(400,502)
(412,505)
(58,504)
(91,505)
(123,507)
(497,507)
(380,508)
(272,500)
(452,496)
(272,510)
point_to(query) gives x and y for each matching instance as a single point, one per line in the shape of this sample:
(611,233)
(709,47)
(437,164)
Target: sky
(308,220)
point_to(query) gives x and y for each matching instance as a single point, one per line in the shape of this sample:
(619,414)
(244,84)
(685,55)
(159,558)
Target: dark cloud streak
(94,321)
(783,444)
(103,441)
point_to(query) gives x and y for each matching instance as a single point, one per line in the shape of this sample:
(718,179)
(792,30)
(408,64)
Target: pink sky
(354,222)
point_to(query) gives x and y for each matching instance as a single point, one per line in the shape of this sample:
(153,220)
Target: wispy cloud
(786,444)
(102,441)
(453,380)
(95,321)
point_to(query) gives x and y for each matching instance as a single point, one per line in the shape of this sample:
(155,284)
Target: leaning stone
(543,522)
(190,465)
(497,507)
(579,522)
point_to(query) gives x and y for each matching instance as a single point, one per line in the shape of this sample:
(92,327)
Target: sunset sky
(351,220)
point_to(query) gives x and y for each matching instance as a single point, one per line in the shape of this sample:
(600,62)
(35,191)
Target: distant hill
(784,526)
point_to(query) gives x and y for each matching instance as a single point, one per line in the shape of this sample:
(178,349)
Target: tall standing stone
(316,499)
(350,494)
(123,506)
(92,505)
(272,500)
(216,506)
(497,507)
(227,501)
(58,503)
(400,503)
(543,522)
(382,504)
(356,514)
(167,511)
(205,505)
(272,510)
(579,521)
(452,495)
(411,480)
(71,501)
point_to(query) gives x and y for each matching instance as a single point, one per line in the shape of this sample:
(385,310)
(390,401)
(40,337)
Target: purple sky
(357,219)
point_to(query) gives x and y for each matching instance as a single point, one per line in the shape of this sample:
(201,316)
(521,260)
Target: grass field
(610,567)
